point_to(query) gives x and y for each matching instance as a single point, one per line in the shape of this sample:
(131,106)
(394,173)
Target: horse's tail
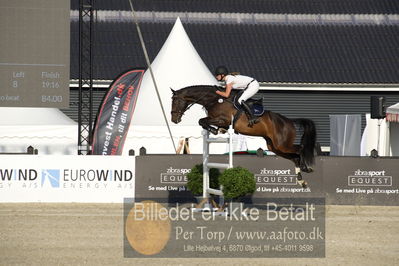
(308,140)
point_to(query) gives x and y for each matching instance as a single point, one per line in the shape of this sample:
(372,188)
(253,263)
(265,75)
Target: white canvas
(177,65)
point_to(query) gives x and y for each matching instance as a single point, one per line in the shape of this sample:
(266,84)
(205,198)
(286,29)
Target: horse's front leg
(203,122)
(212,124)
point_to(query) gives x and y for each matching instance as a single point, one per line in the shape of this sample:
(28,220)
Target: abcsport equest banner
(115,114)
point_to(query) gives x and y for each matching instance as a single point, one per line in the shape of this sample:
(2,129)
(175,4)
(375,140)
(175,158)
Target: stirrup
(251,117)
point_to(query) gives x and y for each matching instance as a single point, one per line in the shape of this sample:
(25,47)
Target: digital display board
(34,53)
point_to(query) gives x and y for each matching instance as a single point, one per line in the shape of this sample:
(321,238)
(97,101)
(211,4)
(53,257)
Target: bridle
(194,101)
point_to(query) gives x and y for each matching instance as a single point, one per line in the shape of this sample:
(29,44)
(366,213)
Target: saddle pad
(257,109)
(255,105)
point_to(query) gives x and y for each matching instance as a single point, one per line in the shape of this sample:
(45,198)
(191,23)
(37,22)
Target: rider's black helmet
(221,70)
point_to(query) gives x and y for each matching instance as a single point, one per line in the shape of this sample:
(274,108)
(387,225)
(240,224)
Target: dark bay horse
(278,131)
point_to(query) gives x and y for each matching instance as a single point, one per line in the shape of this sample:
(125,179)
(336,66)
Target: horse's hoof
(214,131)
(222,130)
(303,183)
(307,169)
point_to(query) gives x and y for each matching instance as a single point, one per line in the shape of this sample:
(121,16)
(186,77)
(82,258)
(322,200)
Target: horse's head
(183,99)
(179,106)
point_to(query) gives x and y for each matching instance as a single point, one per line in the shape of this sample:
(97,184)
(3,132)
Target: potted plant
(195,180)
(237,182)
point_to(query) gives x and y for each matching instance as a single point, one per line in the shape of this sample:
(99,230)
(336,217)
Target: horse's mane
(203,87)
(209,89)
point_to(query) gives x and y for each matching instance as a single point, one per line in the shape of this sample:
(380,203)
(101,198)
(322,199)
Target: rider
(248,84)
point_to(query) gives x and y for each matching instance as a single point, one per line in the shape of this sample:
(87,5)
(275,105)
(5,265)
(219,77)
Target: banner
(115,114)
(71,178)
(340,180)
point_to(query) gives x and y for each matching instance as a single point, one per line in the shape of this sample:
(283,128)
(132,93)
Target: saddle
(255,105)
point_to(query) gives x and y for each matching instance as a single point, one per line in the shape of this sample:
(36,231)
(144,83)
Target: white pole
(205,159)
(231,132)
(379,133)
(346,122)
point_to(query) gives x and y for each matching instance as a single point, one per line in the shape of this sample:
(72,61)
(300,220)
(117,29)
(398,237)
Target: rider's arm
(226,93)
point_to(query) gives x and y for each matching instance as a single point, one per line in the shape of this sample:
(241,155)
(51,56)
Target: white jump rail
(208,165)
(206,190)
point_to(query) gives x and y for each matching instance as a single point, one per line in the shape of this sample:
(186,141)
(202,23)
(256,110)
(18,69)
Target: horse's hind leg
(305,168)
(292,156)
(298,167)
(295,158)
(301,163)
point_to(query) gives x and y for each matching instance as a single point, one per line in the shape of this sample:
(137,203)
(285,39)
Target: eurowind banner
(116,111)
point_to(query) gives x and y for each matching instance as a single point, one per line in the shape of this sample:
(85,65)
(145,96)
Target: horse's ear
(173,91)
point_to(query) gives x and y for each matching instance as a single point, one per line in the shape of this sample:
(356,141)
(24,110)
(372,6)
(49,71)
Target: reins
(194,101)
(189,99)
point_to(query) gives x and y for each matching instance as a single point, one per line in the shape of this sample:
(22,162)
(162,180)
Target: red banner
(116,111)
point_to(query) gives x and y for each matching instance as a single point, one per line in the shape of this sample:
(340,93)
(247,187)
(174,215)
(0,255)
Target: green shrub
(195,178)
(237,182)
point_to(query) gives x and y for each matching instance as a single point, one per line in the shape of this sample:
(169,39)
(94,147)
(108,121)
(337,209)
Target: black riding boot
(252,119)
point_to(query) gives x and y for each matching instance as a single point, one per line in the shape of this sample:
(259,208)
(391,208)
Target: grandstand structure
(312,58)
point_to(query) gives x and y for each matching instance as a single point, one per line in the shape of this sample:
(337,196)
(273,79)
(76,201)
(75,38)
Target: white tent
(381,135)
(177,65)
(393,113)
(46,129)
(393,118)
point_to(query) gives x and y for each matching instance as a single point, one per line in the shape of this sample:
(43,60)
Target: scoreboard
(34,53)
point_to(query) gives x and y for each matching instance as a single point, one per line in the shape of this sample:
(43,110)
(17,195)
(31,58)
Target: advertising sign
(115,114)
(165,176)
(276,176)
(341,180)
(361,180)
(31,178)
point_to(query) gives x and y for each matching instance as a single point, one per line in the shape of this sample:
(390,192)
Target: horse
(278,130)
